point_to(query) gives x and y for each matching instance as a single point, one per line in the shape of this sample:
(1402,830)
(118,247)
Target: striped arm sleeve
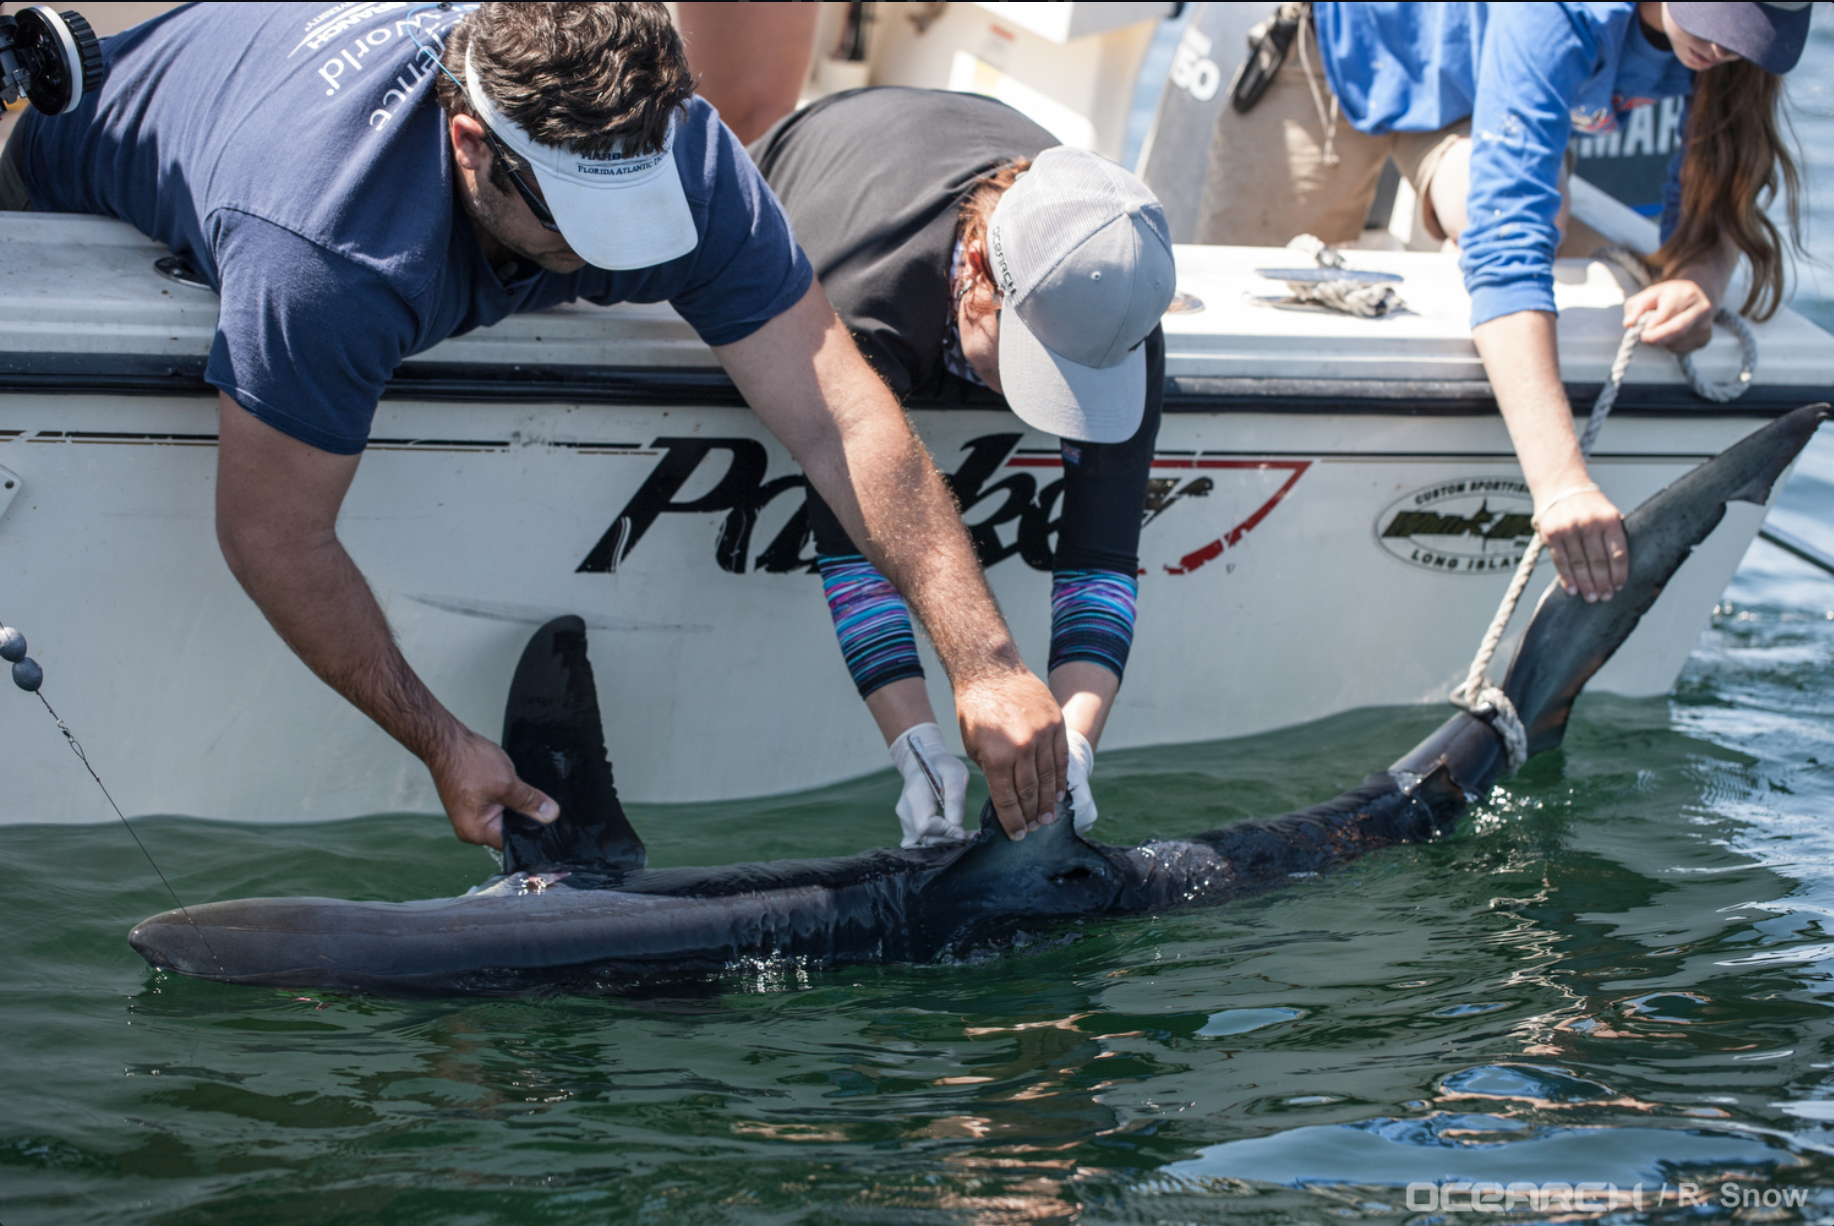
(871,621)
(1092,617)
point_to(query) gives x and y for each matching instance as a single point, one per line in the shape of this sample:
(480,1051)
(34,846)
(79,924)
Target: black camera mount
(51,58)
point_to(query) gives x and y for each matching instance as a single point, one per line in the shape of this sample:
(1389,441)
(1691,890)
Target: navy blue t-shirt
(297,156)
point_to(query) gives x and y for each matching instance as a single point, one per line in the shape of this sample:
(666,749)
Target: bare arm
(277,507)
(1086,691)
(805,379)
(750,60)
(1583,531)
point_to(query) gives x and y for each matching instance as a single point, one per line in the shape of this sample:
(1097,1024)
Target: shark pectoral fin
(553,735)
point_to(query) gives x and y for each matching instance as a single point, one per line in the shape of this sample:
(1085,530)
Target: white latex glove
(923,826)
(1082,762)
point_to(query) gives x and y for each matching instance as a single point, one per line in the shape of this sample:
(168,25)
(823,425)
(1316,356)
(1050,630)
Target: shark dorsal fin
(552,732)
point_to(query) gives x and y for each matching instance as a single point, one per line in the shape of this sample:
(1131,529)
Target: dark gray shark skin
(576,909)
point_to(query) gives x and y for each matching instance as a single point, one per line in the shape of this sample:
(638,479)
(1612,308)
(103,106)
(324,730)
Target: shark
(576,908)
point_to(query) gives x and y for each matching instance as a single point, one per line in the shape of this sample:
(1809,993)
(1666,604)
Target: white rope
(1628,261)
(1478,694)
(1725,393)
(1347,296)
(1365,299)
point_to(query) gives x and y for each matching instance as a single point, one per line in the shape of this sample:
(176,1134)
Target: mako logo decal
(1468,525)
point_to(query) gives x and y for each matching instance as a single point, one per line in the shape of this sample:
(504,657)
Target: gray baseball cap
(1084,260)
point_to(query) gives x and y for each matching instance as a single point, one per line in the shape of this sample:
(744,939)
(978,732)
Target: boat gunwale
(67,373)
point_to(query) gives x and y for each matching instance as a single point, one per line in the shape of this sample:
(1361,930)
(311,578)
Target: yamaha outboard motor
(1177,153)
(50,58)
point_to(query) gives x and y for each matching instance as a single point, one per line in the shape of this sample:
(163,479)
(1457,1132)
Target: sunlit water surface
(1615,973)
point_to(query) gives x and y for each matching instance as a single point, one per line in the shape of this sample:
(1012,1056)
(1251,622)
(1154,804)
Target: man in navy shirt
(362,181)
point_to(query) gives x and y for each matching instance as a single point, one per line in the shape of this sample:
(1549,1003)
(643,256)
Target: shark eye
(1080,873)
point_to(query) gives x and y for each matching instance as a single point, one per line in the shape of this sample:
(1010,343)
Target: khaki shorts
(1268,181)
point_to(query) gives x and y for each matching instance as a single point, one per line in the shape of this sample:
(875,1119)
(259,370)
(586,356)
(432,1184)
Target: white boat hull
(719,684)
(502,460)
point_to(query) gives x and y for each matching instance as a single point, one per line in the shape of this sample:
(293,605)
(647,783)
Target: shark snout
(170,942)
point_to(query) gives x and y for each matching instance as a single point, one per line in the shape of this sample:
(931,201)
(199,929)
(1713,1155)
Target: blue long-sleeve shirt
(1528,76)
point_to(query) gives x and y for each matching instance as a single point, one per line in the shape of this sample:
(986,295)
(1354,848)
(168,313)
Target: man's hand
(1585,535)
(1013,729)
(1683,315)
(804,377)
(476,782)
(277,508)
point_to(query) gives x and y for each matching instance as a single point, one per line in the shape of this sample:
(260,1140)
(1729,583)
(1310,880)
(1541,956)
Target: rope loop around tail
(1477,693)
(1492,706)
(1483,697)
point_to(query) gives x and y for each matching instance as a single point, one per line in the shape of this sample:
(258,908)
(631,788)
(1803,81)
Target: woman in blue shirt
(1477,104)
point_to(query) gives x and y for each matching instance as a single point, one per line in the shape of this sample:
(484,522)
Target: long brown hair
(1737,162)
(972,218)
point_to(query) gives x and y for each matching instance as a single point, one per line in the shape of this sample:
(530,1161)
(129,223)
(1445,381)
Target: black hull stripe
(463,383)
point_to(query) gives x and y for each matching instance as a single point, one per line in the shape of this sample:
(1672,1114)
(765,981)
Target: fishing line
(27,675)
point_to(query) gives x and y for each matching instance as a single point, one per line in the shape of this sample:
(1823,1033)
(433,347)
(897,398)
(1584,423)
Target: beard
(497,214)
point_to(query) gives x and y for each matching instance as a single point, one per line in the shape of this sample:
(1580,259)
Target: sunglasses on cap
(537,206)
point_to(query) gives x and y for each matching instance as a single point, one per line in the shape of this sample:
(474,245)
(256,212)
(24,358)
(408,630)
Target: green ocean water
(1616,973)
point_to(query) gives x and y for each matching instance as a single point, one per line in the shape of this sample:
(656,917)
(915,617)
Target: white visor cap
(616,212)
(1083,256)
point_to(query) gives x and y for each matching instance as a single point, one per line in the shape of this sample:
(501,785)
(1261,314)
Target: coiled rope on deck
(1478,694)
(1348,294)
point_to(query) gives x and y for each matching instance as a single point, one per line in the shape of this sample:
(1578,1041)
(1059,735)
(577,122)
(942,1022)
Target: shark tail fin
(1569,640)
(553,735)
